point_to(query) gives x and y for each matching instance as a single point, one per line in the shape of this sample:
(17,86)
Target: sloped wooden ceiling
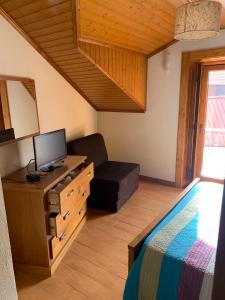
(139,25)
(100,47)
(110,79)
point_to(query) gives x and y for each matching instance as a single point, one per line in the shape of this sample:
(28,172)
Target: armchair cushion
(92,146)
(113,184)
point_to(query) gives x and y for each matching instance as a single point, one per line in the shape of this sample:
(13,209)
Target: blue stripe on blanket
(132,283)
(167,288)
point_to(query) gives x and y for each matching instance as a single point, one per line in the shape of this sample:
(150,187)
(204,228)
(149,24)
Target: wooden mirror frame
(6,104)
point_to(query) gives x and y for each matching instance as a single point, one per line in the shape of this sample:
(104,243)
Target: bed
(174,257)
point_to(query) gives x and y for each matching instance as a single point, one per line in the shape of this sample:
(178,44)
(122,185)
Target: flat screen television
(49,148)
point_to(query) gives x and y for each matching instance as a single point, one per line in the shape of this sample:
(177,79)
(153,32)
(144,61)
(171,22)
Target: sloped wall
(59,105)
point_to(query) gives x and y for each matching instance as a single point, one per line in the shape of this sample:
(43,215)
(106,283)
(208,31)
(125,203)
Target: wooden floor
(96,265)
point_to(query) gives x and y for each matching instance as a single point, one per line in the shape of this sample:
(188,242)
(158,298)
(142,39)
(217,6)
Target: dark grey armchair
(114,182)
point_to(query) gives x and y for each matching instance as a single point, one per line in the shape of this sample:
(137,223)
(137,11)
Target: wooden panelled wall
(110,79)
(126,68)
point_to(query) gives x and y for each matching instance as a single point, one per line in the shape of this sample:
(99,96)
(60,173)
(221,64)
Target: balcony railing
(214,137)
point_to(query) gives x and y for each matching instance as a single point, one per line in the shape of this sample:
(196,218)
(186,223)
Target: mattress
(177,259)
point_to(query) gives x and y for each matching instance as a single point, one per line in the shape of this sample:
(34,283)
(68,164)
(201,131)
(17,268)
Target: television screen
(49,148)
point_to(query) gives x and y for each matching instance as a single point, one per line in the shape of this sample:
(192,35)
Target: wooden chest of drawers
(46,216)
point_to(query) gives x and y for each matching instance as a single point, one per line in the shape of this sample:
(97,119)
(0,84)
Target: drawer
(59,222)
(84,190)
(88,173)
(69,195)
(57,243)
(61,201)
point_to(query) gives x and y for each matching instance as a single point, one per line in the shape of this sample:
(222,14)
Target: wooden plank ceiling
(139,25)
(100,47)
(110,79)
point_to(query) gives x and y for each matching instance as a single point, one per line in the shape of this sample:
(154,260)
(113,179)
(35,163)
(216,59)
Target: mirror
(18,109)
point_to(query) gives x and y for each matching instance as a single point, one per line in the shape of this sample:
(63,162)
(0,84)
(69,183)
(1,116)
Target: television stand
(45,217)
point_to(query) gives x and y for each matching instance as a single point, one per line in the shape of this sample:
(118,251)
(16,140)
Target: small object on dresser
(33,177)
(7,135)
(74,173)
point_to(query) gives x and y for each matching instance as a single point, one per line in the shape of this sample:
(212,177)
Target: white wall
(7,281)
(151,138)
(59,105)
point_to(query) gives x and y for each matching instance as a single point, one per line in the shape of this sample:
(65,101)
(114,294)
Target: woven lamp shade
(198,20)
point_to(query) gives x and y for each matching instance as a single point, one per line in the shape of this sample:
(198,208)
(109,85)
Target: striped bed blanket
(177,259)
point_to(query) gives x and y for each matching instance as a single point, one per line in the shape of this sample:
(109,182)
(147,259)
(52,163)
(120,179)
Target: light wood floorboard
(96,265)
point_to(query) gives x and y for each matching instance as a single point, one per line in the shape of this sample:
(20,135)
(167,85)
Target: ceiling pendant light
(198,20)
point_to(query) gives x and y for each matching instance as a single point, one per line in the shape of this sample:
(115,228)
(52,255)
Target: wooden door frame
(185,131)
(202,112)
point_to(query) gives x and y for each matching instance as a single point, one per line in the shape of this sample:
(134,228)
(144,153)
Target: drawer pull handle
(84,193)
(61,238)
(66,215)
(89,174)
(81,211)
(70,193)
